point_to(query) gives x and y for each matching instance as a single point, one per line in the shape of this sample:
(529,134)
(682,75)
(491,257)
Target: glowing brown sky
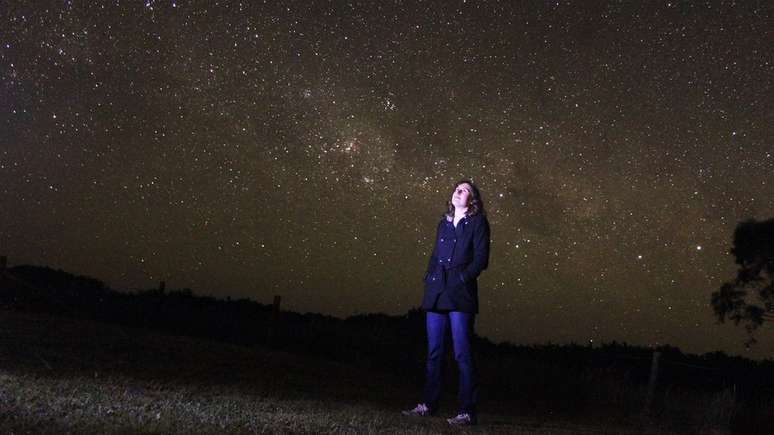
(307,149)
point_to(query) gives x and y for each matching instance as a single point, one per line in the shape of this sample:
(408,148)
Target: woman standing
(460,254)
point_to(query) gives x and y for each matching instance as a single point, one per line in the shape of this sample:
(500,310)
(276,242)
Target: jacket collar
(461,225)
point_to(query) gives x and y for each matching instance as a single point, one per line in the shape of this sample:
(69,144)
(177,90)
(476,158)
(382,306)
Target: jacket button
(441,239)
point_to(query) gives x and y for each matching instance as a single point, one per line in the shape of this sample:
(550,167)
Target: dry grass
(59,375)
(33,404)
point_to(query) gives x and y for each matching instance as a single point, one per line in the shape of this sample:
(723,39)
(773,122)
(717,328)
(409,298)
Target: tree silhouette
(749,298)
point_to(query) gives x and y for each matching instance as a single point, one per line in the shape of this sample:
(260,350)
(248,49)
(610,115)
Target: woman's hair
(475,203)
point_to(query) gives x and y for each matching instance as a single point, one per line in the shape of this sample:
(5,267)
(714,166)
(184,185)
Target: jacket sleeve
(480,251)
(433,263)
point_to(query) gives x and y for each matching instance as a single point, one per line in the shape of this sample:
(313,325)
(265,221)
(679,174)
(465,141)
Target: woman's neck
(460,213)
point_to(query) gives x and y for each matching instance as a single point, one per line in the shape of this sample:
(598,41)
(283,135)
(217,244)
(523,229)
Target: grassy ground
(59,375)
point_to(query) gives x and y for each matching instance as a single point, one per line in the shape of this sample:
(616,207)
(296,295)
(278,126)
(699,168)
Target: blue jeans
(462,338)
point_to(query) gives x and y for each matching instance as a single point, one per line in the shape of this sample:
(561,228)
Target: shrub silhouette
(749,298)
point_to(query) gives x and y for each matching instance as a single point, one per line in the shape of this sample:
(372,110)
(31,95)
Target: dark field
(60,375)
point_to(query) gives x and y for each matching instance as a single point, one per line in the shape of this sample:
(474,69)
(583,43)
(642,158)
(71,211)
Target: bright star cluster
(307,149)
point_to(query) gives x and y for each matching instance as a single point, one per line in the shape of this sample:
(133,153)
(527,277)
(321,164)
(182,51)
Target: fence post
(3,262)
(275,310)
(652,380)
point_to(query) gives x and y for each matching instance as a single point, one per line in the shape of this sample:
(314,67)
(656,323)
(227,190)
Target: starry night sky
(307,149)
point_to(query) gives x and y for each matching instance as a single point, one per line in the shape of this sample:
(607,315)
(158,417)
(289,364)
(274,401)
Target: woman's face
(461,195)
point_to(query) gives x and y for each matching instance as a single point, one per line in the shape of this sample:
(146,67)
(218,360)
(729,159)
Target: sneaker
(421,410)
(462,419)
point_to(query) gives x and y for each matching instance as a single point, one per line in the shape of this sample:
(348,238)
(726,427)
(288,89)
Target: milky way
(307,149)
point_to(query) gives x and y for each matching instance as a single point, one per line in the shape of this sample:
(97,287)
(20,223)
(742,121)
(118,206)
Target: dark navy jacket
(460,254)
